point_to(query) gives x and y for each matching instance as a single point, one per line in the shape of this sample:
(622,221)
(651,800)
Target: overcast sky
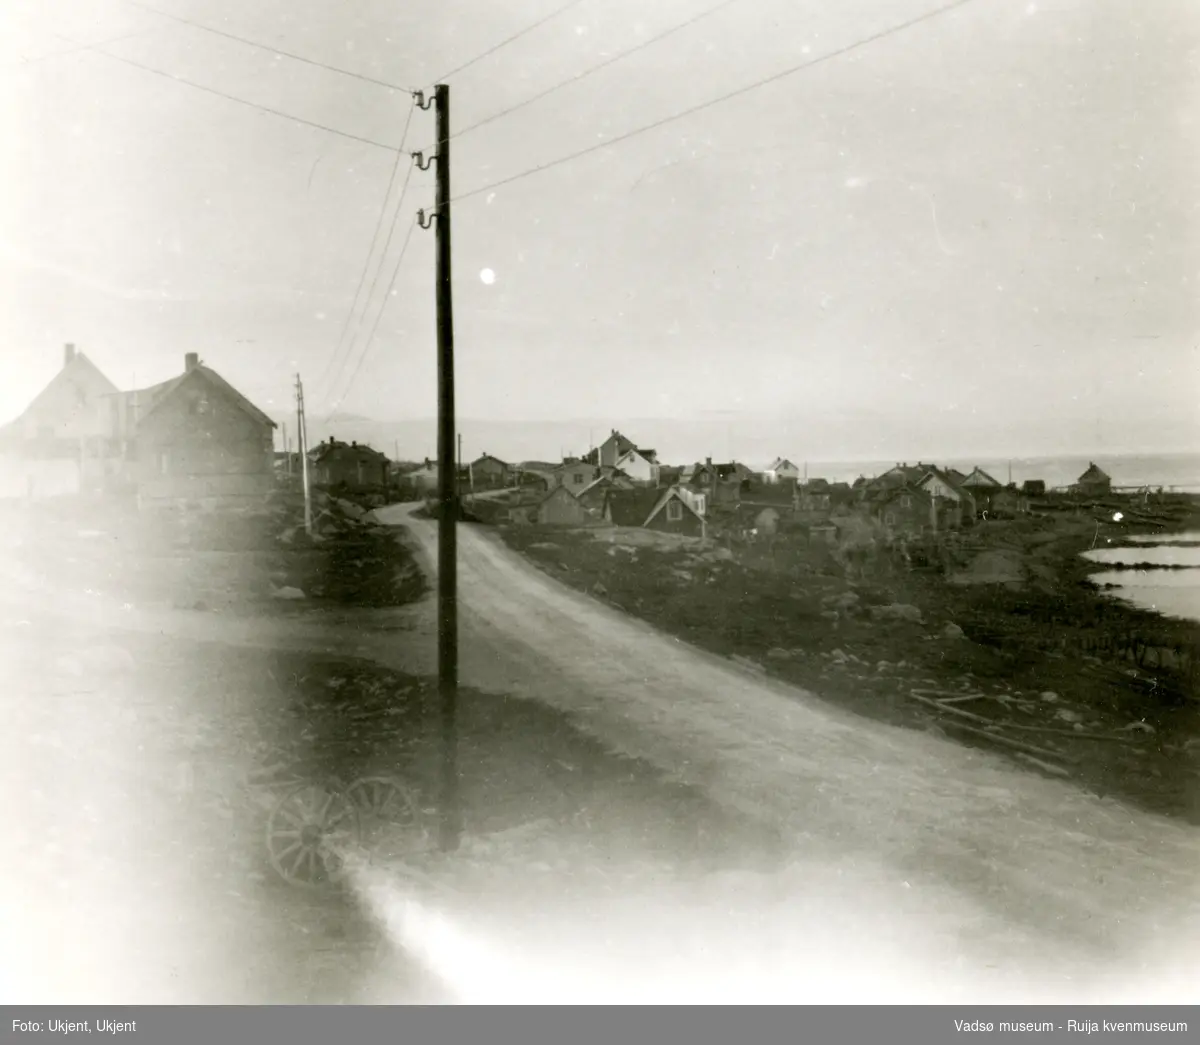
(976,235)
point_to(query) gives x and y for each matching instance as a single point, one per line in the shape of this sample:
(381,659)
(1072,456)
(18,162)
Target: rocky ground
(993,651)
(145,765)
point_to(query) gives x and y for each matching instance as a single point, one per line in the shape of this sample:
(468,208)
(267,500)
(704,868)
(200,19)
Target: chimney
(191,361)
(354,442)
(68,354)
(708,462)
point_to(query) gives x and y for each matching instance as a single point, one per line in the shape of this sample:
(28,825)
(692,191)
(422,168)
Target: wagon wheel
(384,802)
(308,834)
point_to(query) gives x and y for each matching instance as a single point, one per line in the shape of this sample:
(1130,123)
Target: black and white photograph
(599,503)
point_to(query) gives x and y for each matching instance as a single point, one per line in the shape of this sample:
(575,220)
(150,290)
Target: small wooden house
(906,510)
(1094,482)
(663,510)
(489,473)
(560,507)
(352,465)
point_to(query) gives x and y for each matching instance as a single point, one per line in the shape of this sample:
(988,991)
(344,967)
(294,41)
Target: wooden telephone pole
(302,441)
(448,506)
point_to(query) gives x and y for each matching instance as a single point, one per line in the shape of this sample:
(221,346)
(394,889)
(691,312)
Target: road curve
(1039,855)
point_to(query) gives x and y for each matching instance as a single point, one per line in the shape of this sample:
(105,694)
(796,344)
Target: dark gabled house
(487,472)
(982,487)
(197,439)
(906,510)
(560,507)
(666,511)
(1094,482)
(353,465)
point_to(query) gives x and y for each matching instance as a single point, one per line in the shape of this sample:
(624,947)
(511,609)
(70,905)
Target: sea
(1172,593)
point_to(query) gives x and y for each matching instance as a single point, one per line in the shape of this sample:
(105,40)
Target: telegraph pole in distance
(448,507)
(302,440)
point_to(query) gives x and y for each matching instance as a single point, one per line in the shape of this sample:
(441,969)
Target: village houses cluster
(197,439)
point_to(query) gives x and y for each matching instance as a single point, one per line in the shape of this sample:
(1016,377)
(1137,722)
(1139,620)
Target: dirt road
(945,851)
(1036,868)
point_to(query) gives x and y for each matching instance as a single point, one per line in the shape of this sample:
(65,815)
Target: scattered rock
(287,593)
(838,656)
(832,615)
(778,654)
(883,665)
(953,631)
(599,589)
(1066,715)
(1049,696)
(1140,727)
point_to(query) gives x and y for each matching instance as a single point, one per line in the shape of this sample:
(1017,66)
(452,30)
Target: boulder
(953,631)
(287,593)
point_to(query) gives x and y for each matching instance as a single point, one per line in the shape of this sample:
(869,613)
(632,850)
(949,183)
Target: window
(905,502)
(578,478)
(674,511)
(889,519)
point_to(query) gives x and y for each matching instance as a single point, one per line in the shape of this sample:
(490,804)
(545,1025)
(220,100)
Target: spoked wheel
(309,834)
(386,806)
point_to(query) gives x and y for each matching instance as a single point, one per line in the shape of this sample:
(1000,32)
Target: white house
(696,500)
(639,465)
(938,485)
(780,468)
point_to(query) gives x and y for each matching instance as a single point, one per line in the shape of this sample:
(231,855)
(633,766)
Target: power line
(379,317)
(596,68)
(76,50)
(511,39)
(783,74)
(362,279)
(267,47)
(349,347)
(243,101)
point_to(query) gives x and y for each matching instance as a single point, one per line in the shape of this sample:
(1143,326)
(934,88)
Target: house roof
(670,494)
(649,455)
(1094,474)
(489,457)
(162,392)
(904,489)
(558,491)
(780,462)
(632,507)
(938,473)
(68,374)
(980,478)
(323,450)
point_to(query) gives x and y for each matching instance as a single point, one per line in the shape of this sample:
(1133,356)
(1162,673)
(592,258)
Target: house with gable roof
(197,439)
(955,504)
(666,511)
(1094,482)
(780,469)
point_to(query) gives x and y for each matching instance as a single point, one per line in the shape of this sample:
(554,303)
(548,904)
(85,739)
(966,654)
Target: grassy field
(1002,645)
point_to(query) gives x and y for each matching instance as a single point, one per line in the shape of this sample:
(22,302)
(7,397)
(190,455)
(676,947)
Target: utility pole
(451,820)
(302,440)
